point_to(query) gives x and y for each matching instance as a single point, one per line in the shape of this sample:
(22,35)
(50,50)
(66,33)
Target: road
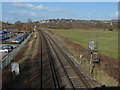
(48,66)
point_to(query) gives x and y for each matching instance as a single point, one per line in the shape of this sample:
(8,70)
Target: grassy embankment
(108,45)
(107,40)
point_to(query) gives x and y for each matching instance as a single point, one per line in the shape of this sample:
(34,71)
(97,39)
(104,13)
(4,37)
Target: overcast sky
(14,11)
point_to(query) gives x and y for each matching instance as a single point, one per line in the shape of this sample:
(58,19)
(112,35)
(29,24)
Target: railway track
(77,80)
(40,62)
(45,62)
(41,70)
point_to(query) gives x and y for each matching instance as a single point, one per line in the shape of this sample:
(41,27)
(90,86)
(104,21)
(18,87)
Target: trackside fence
(8,58)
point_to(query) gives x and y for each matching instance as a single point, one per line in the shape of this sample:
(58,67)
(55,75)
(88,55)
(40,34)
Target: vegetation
(107,40)
(18,25)
(110,25)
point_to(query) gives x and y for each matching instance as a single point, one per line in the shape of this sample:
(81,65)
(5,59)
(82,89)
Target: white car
(3,50)
(15,41)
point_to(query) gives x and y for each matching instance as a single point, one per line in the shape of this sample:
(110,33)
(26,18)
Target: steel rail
(81,77)
(53,72)
(61,64)
(40,62)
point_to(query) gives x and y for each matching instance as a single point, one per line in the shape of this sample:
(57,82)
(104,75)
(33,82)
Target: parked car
(8,35)
(2,41)
(17,40)
(5,36)
(8,47)
(23,37)
(3,50)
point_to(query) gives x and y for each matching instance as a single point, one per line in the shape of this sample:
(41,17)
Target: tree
(18,25)
(29,24)
(29,21)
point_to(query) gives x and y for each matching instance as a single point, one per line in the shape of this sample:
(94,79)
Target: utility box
(15,68)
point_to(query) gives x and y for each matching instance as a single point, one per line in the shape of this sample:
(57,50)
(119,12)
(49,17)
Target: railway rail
(75,77)
(54,77)
(40,62)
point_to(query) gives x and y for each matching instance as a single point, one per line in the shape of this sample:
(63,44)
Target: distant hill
(72,23)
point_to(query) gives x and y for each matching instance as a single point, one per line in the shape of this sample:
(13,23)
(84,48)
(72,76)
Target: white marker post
(80,59)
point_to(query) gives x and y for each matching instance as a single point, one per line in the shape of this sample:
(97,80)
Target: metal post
(91,58)
(97,49)
(91,64)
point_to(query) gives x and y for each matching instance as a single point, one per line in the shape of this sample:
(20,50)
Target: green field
(107,40)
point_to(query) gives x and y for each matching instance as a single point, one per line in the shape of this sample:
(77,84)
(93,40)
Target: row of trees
(18,25)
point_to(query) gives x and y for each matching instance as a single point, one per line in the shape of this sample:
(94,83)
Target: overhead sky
(22,11)
(60,1)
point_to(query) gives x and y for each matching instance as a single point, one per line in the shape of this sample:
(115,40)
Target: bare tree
(18,25)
